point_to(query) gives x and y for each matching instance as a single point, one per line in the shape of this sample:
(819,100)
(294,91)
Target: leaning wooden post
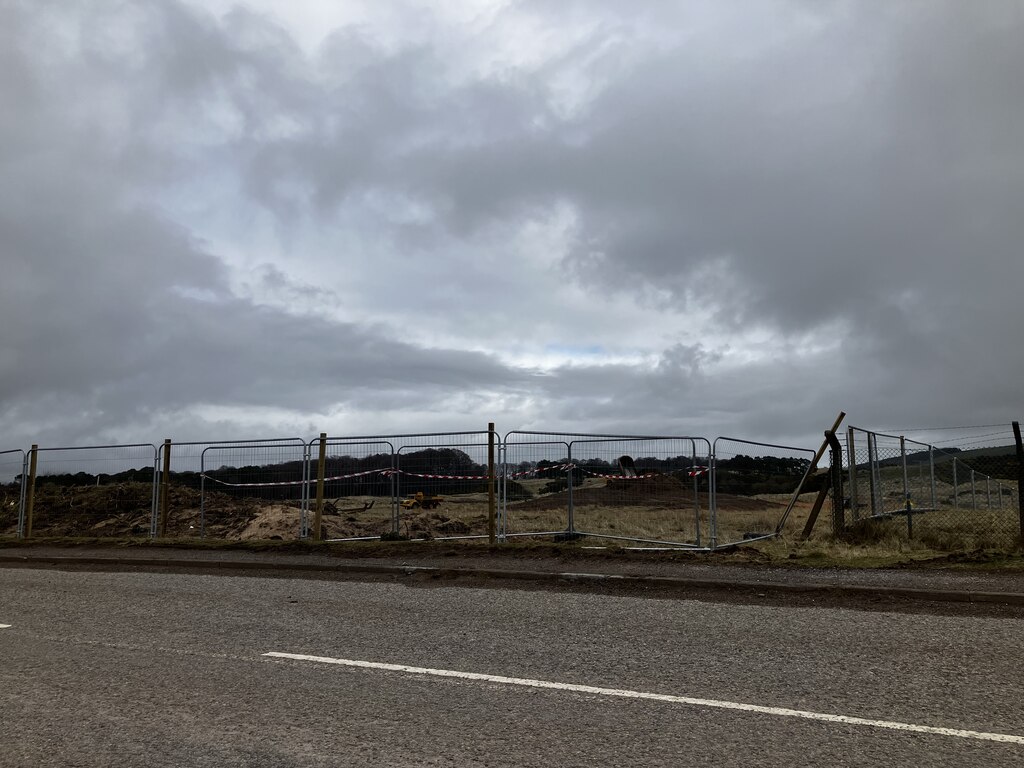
(491,521)
(30,491)
(165,483)
(1020,476)
(321,465)
(810,471)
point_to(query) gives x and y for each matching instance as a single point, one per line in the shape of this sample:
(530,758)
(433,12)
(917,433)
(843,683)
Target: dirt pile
(657,492)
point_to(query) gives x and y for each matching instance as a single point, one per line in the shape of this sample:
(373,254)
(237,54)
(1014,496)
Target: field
(657,509)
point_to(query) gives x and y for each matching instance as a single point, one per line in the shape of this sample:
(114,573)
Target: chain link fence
(943,498)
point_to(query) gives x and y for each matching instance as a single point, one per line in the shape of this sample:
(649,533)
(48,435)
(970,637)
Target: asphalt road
(164,669)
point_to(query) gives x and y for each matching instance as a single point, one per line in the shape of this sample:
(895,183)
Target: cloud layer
(218,221)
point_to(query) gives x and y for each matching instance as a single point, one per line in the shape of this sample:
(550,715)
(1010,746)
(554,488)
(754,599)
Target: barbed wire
(973,439)
(941,429)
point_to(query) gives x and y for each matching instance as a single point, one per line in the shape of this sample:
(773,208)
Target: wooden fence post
(30,490)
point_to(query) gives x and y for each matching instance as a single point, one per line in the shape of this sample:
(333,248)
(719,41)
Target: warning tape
(295,482)
(618,477)
(383,472)
(695,472)
(535,470)
(440,477)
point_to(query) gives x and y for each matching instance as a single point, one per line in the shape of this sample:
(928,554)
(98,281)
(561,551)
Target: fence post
(30,491)
(836,481)
(956,488)
(852,455)
(165,481)
(321,464)
(1020,475)
(931,464)
(490,485)
(907,505)
(21,496)
(872,480)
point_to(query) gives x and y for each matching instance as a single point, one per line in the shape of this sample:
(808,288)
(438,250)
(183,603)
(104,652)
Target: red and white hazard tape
(292,482)
(535,470)
(441,477)
(618,477)
(695,472)
(251,485)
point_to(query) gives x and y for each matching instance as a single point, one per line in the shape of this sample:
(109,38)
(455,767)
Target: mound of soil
(123,509)
(657,492)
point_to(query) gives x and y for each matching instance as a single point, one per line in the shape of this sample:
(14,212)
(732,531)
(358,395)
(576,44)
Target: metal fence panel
(533,497)
(95,490)
(235,489)
(253,489)
(641,489)
(441,484)
(13,470)
(359,493)
(753,490)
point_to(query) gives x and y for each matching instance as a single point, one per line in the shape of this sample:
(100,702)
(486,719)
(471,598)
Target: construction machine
(422,500)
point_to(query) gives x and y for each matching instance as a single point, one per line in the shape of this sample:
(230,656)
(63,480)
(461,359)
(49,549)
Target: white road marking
(5,626)
(626,694)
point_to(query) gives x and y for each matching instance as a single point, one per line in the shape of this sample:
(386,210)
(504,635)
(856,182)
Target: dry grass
(663,513)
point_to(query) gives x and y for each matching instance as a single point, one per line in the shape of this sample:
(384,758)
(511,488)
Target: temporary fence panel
(441,484)
(649,490)
(359,498)
(94,490)
(13,468)
(640,489)
(253,489)
(946,499)
(533,492)
(753,490)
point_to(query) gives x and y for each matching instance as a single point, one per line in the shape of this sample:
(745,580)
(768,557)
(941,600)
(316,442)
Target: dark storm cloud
(111,311)
(842,181)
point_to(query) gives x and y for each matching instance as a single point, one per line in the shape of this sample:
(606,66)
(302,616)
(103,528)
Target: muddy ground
(124,510)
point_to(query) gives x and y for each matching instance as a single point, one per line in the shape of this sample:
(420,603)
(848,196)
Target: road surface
(172,669)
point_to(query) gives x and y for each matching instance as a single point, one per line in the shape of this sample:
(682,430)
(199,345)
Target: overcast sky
(227,220)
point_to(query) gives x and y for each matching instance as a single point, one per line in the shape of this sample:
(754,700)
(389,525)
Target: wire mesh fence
(755,488)
(941,497)
(219,488)
(651,490)
(642,489)
(359,491)
(412,486)
(12,493)
(535,468)
(96,490)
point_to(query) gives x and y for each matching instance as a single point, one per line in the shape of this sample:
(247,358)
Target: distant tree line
(363,476)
